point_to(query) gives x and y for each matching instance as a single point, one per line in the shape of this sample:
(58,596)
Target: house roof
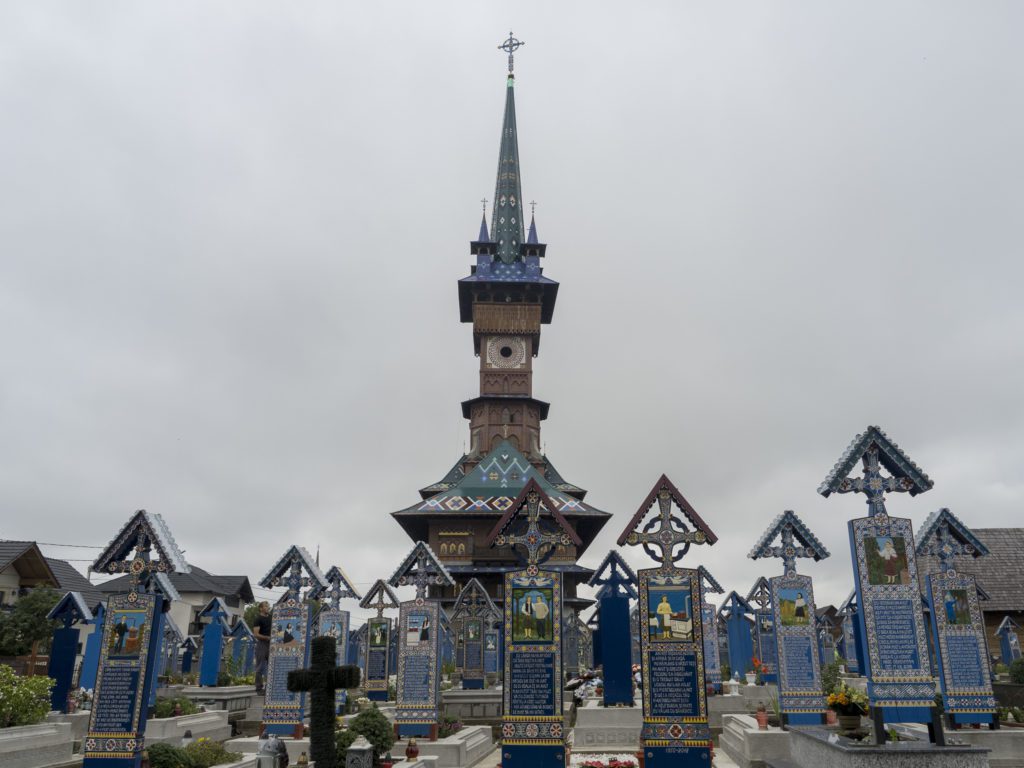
(32,567)
(72,580)
(197,580)
(999,573)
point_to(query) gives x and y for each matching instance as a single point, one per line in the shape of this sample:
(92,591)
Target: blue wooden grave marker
(532,733)
(853,644)
(736,613)
(617,586)
(170,647)
(1009,642)
(417,710)
(188,652)
(376,655)
(69,610)
(291,624)
(213,640)
(243,649)
(492,643)
(357,649)
(958,626)
(801,700)
(675,727)
(145,550)
(160,584)
(826,640)
(586,644)
(472,616)
(594,625)
(900,684)
(91,656)
(760,598)
(709,619)
(332,621)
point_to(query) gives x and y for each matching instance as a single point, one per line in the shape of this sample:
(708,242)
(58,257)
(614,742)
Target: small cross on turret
(510,46)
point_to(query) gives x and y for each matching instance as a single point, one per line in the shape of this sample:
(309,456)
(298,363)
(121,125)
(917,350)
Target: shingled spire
(507,214)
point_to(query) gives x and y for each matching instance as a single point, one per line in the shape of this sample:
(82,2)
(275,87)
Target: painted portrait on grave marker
(417,629)
(957,609)
(793,608)
(532,619)
(491,643)
(378,633)
(288,633)
(670,613)
(886,558)
(767,625)
(334,629)
(472,630)
(128,635)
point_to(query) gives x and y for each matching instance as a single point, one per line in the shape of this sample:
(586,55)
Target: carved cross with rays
(946,548)
(665,536)
(788,549)
(873,484)
(425,575)
(537,543)
(380,598)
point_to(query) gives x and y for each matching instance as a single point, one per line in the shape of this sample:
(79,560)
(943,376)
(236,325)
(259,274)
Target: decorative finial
(511,46)
(533,207)
(483,204)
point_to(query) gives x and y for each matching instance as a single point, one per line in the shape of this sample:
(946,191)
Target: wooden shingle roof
(999,573)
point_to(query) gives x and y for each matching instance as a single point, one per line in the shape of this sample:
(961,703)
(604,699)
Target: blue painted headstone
(491,642)
(900,684)
(243,649)
(189,648)
(958,626)
(801,700)
(376,656)
(419,644)
(472,615)
(213,640)
(670,611)
(709,617)
(332,621)
(853,643)
(826,641)
(532,733)
(290,630)
(172,639)
(760,597)
(91,656)
(145,550)
(70,610)
(737,612)
(617,583)
(1009,642)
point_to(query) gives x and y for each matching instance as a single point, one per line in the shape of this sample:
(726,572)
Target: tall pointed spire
(507,215)
(483,237)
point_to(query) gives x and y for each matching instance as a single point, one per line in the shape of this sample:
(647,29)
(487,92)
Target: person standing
(261,631)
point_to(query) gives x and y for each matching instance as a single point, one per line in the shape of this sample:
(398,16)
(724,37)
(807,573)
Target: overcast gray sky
(230,235)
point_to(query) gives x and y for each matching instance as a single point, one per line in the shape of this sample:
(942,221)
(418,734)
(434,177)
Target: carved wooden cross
(424,575)
(787,550)
(321,680)
(873,484)
(537,543)
(665,536)
(379,598)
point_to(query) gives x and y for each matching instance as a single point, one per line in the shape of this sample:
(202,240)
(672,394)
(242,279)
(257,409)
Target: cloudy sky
(230,235)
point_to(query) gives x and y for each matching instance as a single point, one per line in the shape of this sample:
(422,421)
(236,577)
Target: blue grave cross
(666,530)
(288,572)
(796,540)
(155,552)
(614,577)
(760,594)
(540,538)
(946,538)
(339,588)
(380,598)
(421,569)
(708,582)
(473,601)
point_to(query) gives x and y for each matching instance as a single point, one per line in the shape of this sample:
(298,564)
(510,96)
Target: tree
(27,623)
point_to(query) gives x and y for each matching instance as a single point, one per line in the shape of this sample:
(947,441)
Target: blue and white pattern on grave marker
(737,615)
(69,610)
(1009,641)
(171,646)
(675,728)
(709,616)
(332,621)
(91,656)
(760,597)
(900,683)
(471,616)
(377,640)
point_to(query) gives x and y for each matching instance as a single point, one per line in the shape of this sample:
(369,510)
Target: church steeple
(507,214)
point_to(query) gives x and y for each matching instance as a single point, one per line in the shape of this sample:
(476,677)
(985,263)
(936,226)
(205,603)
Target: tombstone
(900,684)
(290,625)
(634,635)
(958,625)
(1009,642)
(532,732)
(213,640)
(145,550)
(472,615)
(161,585)
(801,700)
(617,586)
(594,625)
(69,610)
(189,648)
(332,621)
(709,619)
(735,612)
(378,632)
(853,646)
(586,644)
(760,595)
(492,643)
(419,644)
(570,644)
(243,649)
(170,647)
(675,728)
(357,648)
(826,640)
(91,655)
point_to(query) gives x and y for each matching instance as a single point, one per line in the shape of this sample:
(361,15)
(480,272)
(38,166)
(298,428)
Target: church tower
(507,298)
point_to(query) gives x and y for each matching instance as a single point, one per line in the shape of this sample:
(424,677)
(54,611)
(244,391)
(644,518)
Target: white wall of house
(9,583)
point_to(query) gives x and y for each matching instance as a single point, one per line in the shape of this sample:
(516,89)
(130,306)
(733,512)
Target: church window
(444,550)
(462,549)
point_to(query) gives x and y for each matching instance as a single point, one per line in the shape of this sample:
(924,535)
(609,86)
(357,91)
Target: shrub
(165,706)
(166,756)
(23,700)
(1017,672)
(372,724)
(830,678)
(199,754)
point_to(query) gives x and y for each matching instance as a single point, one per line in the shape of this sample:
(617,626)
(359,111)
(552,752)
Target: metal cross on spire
(510,46)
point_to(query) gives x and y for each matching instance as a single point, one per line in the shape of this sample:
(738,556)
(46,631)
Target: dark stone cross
(322,680)
(666,537)
(873,484)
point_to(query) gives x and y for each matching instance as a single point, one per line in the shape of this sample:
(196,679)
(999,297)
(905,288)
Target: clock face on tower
(506,352)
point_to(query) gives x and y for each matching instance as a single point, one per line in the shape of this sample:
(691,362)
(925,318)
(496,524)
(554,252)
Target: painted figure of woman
(527,620)
(800,607)
(891,558)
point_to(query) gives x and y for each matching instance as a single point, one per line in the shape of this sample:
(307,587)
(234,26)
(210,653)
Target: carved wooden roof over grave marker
(380,597)
(541,534)
(217,610)
(287,572)
(790,529)
(421,569)
(241,630)
(760,593)
(876,451)
(614,577)
(946,538)
(849,604)
(70,608)
(665,536)
(339,588)
(171,631)
(474,602)
(146,534)
(734,605)
(1007,625)
(709,582)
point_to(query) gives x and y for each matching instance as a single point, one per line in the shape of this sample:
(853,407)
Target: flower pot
(762,720)
(412,750)
(849,722)
(751,678)
(830,717)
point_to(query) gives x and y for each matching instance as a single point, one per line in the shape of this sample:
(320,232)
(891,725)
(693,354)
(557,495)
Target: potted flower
(761,716)
(849,705)
(752,672)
